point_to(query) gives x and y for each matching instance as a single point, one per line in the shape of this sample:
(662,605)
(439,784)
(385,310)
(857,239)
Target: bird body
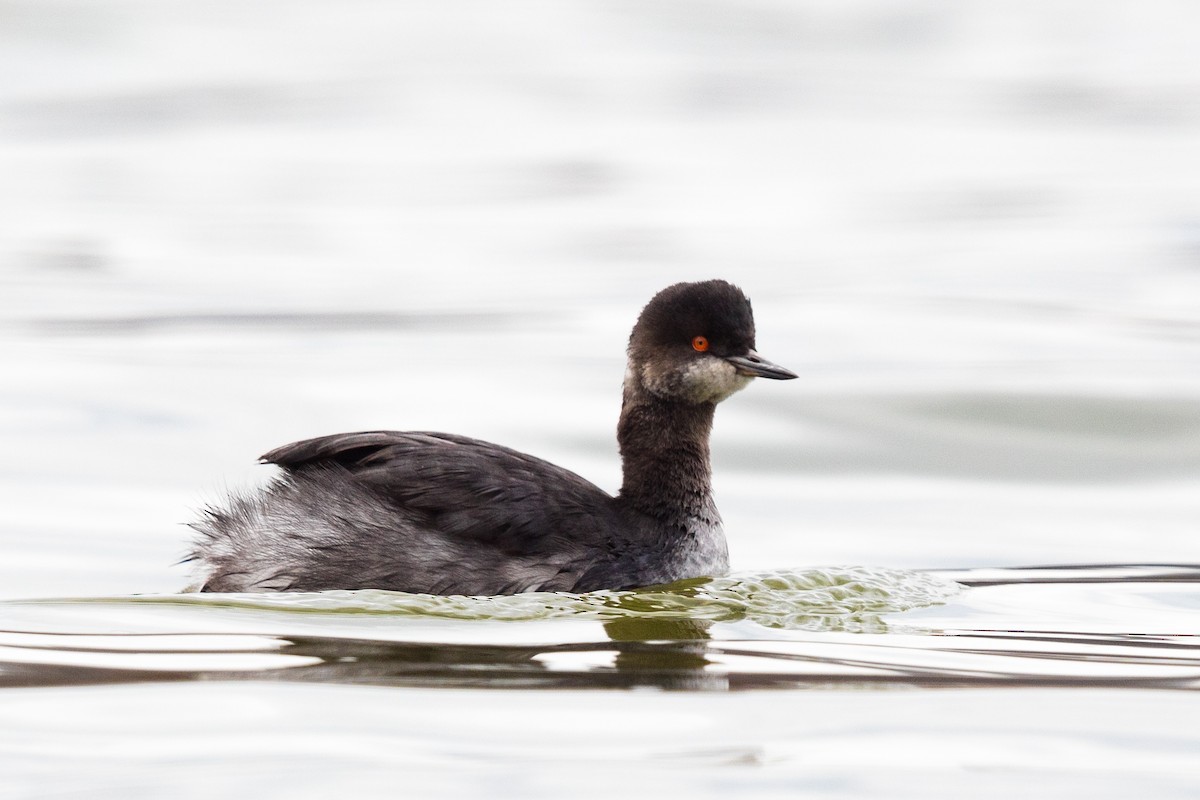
(447,514)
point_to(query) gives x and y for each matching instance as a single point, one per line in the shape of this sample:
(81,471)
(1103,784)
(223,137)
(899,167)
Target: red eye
(699,344)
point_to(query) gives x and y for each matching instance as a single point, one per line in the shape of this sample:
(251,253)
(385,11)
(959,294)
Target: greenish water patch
(846,598)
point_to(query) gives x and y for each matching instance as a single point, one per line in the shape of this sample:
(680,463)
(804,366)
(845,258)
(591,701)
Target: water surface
(974,230)
(1074,677)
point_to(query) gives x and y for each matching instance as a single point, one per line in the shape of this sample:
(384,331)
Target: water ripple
(846,598)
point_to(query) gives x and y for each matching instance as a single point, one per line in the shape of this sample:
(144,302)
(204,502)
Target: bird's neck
(665,458)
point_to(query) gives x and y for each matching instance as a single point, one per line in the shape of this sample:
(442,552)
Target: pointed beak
(755,366)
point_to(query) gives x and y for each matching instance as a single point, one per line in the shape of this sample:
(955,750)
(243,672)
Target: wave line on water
(836,598)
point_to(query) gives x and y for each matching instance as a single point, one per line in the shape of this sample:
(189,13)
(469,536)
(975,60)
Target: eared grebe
(446,514)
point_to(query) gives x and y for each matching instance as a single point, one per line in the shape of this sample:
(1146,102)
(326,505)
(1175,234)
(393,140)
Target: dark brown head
(694,343)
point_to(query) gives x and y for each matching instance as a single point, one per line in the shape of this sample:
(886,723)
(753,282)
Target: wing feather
(464,487)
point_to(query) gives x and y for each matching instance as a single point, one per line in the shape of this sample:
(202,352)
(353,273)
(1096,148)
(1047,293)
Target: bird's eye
(700,344)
